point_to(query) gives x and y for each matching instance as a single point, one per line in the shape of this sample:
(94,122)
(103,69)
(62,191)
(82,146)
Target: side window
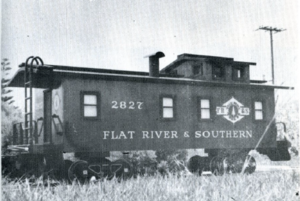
(205,108)
(90,105)
(167,107)
(238,73)
(218,72)
(258,110)
(198,69)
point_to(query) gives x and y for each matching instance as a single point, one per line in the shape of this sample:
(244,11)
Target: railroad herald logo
(233,110)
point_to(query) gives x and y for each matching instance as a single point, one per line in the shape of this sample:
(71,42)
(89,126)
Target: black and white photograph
(150,100)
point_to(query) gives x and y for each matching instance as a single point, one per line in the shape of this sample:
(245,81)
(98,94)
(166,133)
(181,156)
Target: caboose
(196,102)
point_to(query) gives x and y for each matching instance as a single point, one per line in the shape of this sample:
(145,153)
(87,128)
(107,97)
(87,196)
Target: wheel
(213,165)
(99,169)
(121,169)
(237,160)
(195,165)
(66,165)
(78,171)
(237,164)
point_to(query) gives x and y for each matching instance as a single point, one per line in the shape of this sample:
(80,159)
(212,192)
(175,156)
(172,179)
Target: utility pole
(271,30)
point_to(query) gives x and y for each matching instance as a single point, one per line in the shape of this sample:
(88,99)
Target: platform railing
(20,137)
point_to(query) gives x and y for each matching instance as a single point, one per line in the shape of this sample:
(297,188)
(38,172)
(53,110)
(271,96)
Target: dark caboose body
(195,102)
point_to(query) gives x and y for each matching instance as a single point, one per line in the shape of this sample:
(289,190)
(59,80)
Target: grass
(262,186)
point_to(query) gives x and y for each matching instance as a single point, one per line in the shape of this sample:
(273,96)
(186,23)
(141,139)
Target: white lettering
(242,133)
(222,132)
(249,133)
(197,134)
(228,134)
(131,134)
(113,136)
(167,134)
(126,105)
(158,133)
(186,134)
(122,134)
(174,134)
(206,134)
(145,134)
(106,134)
(235,134)
(215,135)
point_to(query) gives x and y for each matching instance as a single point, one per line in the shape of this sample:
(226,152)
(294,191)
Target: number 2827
(127,105)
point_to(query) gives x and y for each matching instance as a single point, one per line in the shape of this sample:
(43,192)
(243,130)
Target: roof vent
(154,63)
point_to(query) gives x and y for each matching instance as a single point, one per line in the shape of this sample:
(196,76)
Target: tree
(9,113)
(5,68)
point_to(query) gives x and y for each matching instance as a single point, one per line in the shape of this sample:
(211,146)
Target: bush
(288,113)
(171,161)
(9,116)
(143,162)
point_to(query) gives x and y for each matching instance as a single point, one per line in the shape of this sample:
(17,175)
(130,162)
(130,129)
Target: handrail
(285,135)
(19,135)
(30,136)
(58,132)
(284,125)
(42,126)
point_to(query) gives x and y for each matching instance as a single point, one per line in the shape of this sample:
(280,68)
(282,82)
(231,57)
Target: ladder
(28,124)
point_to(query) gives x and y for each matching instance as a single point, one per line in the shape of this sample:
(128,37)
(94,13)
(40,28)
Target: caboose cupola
(209,68)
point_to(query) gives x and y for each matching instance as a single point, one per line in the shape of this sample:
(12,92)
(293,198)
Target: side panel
(121,127)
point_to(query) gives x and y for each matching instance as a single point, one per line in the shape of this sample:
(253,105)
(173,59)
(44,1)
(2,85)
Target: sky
(118,34)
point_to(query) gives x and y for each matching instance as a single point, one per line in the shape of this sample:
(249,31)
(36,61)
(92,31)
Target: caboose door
(47,115)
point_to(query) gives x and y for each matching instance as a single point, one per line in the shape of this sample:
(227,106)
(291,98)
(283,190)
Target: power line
(271,30)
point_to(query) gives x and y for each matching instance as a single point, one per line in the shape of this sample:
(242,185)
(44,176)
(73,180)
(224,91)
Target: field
(274,185)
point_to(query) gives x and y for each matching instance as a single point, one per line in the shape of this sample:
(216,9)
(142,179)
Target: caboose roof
(52,75)
(214,59)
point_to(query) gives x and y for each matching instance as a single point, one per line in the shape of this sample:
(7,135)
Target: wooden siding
(96,135)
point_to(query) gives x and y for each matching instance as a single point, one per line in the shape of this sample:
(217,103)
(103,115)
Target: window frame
(161,107)
(222,68)
(235,76)
(82,94)
(198,67)
(263,110)
(199,108)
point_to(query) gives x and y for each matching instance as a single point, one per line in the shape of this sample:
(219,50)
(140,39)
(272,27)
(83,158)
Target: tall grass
(258,186)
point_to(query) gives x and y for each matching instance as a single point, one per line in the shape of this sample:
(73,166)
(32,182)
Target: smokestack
(154,63)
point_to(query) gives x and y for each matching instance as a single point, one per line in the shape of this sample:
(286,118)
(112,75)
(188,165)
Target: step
(23,147)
